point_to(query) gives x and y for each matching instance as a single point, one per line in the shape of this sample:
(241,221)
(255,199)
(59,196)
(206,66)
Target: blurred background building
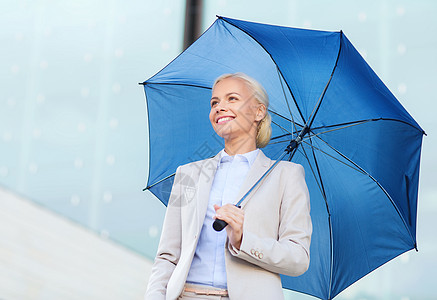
(74,222)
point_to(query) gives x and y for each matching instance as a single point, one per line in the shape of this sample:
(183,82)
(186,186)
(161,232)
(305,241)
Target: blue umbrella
(360,148)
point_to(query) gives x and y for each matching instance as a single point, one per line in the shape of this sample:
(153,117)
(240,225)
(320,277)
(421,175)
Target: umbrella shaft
(266,173)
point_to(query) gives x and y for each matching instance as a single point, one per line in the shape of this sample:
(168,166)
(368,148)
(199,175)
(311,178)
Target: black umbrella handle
(219,225)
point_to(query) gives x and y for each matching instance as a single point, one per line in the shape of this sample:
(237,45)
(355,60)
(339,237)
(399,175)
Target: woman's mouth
(223,120)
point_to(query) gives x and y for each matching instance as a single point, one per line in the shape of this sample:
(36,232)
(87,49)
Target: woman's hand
(234,216)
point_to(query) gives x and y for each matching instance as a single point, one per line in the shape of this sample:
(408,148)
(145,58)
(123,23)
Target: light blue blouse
(208,265)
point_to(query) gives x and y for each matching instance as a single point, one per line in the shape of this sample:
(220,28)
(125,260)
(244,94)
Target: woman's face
(234,110)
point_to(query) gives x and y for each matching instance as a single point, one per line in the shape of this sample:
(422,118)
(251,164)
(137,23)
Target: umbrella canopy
(360,148)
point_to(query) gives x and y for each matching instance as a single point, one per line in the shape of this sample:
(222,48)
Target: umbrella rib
(324,152)
(159,181)
(288,132)
(312,171)
(331,237)
(285,118)
(278,142)
(339,128)
(372,120)
(286,100)
(174,83)
(279,115)
(348,123)
(279,136)
(351,124)
(271,57)
(319,102)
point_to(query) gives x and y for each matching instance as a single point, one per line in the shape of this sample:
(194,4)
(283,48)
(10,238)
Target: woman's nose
(221,106)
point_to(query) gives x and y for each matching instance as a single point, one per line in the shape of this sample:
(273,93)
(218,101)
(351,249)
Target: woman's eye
(214,103)
(232,98)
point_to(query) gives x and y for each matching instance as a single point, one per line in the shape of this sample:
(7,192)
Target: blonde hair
(264,130)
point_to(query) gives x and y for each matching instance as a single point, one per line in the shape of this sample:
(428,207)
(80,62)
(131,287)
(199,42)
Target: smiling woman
(258,246)
(248,100)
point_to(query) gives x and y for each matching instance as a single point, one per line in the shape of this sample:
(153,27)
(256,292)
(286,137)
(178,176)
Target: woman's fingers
(234,216)
(228,211)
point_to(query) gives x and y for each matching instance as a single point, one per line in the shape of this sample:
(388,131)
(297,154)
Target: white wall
(45,256)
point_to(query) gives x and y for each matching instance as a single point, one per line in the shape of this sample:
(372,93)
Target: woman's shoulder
(288,166)
(283,165)
(198,163)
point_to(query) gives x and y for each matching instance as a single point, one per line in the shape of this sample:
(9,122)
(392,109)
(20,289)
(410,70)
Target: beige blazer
(276,231)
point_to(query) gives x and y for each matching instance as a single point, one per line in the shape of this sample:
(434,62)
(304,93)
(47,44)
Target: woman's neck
(240,146)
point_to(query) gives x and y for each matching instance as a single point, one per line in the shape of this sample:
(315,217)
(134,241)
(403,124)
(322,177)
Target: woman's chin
(223,131)
(224,135)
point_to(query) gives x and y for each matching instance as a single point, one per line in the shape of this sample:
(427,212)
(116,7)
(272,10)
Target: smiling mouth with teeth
(224,120)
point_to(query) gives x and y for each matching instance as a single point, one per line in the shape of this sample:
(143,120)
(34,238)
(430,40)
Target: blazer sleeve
(288,253)
(169,248)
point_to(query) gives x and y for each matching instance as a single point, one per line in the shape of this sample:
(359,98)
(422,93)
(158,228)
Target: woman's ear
(261,112)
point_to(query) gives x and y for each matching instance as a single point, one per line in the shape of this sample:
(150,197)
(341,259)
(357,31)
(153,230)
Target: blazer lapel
(259,167)
(206,177)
